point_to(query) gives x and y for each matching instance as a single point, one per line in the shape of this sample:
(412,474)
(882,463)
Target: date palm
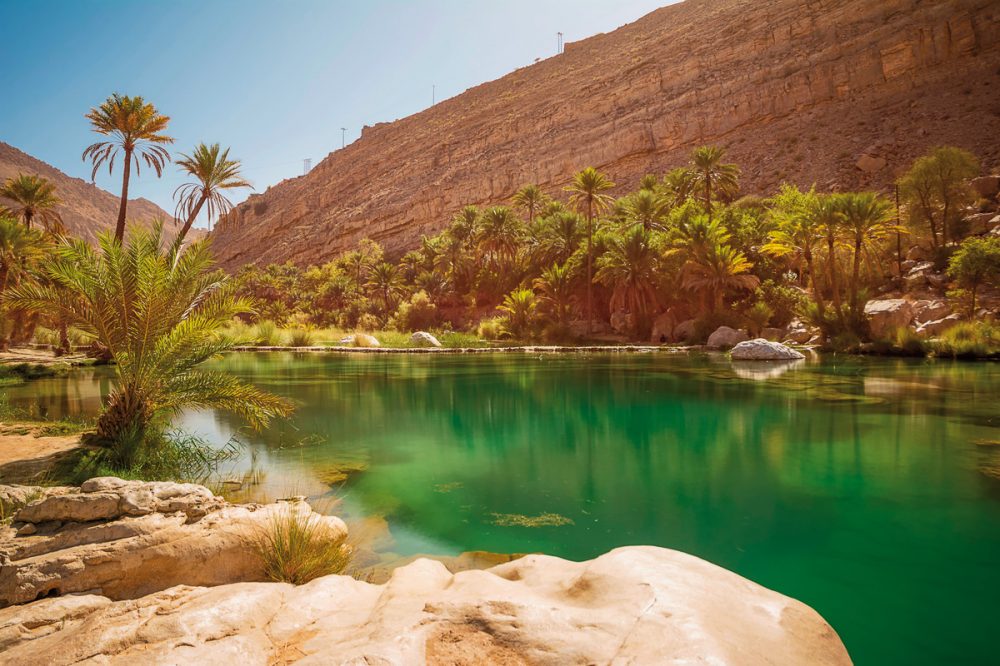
(214,173)
(722,269)
(867,221)
(531,199)
(135,129)
(588,191)
(520,307)
(646,207)
(20,247)
(798,233)
(710,175)
(33,198)
(628,268)
(499,236)
(385,280)
(556,288)
(159,314)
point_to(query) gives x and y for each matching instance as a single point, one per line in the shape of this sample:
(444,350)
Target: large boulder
(798,333)
(924,311)
(764,350)
(635,605)
(939,326)
(125,539)
(424,339)
(870,163)
(885,316)
(986,187)
(773,333)
(684,331)
(725,337)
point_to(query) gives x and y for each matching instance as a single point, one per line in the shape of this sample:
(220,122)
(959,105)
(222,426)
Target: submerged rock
(725,337)
(639,604)
(424,339)
(764,350)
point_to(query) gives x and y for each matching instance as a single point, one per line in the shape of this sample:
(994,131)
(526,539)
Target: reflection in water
(761,370)
(856,485)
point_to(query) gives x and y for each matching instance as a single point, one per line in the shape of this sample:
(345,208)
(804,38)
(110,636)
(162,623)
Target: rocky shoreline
(123,571)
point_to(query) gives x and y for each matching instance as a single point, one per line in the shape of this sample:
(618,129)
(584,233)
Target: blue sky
(274,80)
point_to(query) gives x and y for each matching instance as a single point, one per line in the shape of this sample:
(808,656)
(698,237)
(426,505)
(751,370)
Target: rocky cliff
(841,93)
(86,209)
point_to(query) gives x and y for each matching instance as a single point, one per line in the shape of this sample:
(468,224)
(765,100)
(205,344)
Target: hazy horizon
(273,85)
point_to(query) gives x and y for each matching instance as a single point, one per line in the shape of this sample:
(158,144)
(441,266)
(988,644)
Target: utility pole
(306,165)
(559,43)
(343,137)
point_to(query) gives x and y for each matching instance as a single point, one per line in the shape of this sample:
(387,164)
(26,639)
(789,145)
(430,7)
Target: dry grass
(298,546)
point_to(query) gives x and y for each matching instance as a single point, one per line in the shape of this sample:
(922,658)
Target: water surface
(867,488)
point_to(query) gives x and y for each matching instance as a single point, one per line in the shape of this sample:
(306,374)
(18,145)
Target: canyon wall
(85,208)
(840,93)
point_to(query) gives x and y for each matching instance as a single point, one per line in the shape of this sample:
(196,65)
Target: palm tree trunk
(63,338)
(855,273)
(190,220)
(590,269)
(4,338)
(832,268)
(817,296)
(27,218)
(123,205)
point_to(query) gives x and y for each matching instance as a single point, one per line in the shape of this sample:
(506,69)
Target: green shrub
(974,339)
(758,316)
(417,314)
(298,546)
(491,329)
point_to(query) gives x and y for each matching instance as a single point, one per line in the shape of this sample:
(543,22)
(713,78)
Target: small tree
(519,306)
(975,263)
(935,189)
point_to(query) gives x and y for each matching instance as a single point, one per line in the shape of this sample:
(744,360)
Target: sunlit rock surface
(634,605)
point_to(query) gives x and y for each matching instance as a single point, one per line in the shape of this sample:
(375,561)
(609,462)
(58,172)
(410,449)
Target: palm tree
(558,238)
(797,234)
(20,246)
(158,312)
(135,128)
(531,199)
(588,191)
(867,220)
(500,235)
(556,286)
(678,184)
(628,267)
(520,306)
(647,208)
(709,174)
(214,173)
(649,182)
(722,269)
(828,218)
(34,199)
(385,280)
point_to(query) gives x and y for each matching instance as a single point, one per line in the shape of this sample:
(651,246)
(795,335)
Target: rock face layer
(124,539)
(85,209)
(635,605)
(841,93)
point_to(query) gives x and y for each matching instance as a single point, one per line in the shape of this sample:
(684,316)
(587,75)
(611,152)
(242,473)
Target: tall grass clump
(266,334)
(973,339)
(297,546)
(300,337)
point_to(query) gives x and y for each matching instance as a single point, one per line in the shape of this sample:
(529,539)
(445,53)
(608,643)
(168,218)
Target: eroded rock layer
(841,93)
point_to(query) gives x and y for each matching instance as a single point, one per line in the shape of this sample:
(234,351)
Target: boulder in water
(764,350)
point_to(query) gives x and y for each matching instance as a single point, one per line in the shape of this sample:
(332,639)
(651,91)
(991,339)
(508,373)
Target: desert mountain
(86,209)
(841,93)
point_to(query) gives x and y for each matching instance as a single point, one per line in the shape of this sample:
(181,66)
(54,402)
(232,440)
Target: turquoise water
(867,488)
